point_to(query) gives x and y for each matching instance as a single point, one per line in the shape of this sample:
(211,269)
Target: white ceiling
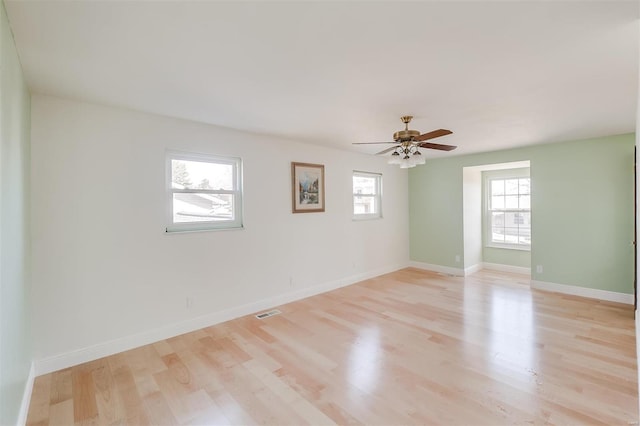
(498,74)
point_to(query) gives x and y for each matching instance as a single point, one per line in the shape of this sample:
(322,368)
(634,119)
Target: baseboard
(472,269)
(79,356)
(26,396)
(506,268)
(437,268)
(591,293)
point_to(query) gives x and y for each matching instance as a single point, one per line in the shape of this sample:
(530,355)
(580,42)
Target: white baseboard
(79,356)
(591,293)
(26,396)
(437,268)
(506,268)
(472,269)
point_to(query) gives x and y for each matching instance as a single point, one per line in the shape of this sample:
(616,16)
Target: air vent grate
(268,314)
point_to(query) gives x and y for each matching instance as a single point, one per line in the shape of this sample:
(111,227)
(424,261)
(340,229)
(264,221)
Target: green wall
(15,348)
(500,256)
(581,207)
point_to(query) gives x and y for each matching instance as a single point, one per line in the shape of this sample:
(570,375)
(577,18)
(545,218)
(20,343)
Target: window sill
(360,218)
(508,246)
(170,230)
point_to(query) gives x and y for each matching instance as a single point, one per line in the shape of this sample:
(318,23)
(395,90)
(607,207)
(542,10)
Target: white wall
(15,347)
(472,217)
(104,270)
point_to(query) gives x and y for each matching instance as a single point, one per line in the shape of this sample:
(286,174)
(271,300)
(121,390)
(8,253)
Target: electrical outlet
(539,269)
(290,281)
(189,303)
(457,258)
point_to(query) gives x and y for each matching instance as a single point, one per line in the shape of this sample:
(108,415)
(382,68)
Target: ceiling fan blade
(370,143)
(437,146)
(433,135)
(387,150)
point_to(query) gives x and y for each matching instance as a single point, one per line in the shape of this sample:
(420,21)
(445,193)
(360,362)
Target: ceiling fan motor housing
(405,135)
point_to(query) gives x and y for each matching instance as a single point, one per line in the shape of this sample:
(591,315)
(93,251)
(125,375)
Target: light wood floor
(411,347)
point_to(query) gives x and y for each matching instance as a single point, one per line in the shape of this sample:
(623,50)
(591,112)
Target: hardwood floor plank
(61,413)
(158,409)
(85,408)
(410,347)
(61,386)
(40,400)
(107,402)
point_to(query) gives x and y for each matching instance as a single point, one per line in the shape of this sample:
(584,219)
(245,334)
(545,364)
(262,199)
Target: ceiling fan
(407,142)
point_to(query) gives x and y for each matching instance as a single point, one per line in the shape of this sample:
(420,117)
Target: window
(367,195)
(509,212)
(204,192)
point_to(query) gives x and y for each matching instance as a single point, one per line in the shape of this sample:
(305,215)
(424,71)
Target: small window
(367,195)
(203,192)
(509,212)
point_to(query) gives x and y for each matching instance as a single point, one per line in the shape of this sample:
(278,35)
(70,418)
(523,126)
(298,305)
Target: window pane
(497,235)
(511,219)
(497,187)
(511,201)
(364,205)
(511,235)
(497,219)
(364,185)
(526,219)
(511,186)
(525,186)
(201,175)
(525,239)
(525,201)
(497,202)
(201,207)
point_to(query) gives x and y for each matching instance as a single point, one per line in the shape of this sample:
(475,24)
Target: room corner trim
(79,356)
(26,396)
(591,293)
(473,269)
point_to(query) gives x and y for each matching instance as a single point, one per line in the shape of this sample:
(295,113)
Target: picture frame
(307,187)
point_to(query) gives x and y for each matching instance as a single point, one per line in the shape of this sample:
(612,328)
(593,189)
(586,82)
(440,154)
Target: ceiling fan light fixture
(418,158)
(395,158)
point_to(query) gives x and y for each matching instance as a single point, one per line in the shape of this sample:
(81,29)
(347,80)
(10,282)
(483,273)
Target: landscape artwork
(307,187)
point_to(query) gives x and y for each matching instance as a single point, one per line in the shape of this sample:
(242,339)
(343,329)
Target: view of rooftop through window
(201,207)
(204,191)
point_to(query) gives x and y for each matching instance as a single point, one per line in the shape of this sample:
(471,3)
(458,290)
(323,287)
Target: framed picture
(307,187)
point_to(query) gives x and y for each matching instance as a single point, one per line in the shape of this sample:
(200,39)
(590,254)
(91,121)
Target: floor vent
(268,314)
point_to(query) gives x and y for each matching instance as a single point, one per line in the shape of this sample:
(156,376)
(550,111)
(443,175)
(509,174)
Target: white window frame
(511,174)
(377,196)
(235,223)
